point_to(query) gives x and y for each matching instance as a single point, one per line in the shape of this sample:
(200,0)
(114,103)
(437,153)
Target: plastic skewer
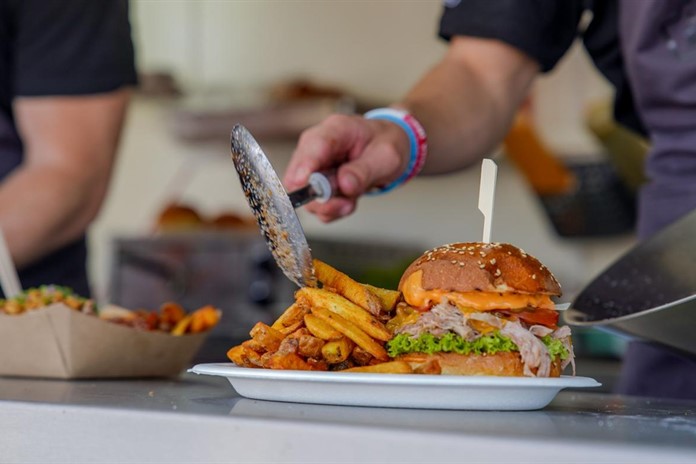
(489,172)
(9,280)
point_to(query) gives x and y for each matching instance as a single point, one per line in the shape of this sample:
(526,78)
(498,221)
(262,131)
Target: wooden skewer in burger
(480,309)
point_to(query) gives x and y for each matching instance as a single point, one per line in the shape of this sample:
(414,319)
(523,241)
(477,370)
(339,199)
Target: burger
(480,309)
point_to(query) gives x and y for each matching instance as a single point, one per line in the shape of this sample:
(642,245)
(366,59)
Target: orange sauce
(417,296)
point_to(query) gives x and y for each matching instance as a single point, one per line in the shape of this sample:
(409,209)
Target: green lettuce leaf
(452,343)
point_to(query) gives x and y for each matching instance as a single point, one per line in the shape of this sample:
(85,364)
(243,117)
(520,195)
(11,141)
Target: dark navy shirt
(52,48)
(645,48)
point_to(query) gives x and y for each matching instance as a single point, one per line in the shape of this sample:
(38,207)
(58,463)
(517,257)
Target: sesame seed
(482,266)
(534,276)
(492,261)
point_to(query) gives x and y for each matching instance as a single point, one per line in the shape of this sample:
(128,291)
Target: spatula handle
(324,184)
(321,187)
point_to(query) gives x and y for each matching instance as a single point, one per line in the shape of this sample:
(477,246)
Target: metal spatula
(273,207)
(650,292)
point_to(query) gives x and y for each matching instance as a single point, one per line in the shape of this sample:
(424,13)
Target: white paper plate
(394,390)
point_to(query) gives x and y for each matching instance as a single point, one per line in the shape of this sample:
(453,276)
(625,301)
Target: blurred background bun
(179,217)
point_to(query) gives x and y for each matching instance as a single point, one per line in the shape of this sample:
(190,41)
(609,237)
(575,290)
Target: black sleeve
(543,29)
(71,47)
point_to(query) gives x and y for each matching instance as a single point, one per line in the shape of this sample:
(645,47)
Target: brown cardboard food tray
(58,342)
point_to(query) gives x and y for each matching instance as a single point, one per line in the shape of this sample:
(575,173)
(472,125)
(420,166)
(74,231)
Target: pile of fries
(171,317)
(338,327)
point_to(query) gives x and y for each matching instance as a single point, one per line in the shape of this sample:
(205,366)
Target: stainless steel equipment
(231,270)
(648,293)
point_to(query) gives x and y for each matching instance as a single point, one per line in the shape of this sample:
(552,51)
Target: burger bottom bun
(503,364)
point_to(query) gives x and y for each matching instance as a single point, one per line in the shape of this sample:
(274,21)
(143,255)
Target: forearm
(69,149)
(467,102)
(37,221)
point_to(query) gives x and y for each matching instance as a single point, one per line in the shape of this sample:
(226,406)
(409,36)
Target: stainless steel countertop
(201,419)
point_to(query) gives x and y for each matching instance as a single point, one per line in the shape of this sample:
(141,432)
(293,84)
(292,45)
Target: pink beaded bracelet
(418,141)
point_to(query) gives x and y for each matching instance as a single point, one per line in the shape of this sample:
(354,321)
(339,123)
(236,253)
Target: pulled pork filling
(446,328)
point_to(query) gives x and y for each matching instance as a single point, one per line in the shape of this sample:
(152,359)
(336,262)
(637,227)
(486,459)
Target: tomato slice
(541,316)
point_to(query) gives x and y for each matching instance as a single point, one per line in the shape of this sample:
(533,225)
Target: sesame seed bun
(482,267)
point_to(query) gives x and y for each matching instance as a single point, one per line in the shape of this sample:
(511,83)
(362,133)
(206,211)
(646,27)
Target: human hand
(366,153)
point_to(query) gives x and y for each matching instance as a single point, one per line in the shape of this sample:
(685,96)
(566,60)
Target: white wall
(375,49)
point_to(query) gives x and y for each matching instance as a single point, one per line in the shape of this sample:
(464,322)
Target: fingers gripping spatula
(274,208)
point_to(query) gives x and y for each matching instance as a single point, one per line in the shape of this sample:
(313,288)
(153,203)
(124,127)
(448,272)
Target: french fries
(361,357)
(352,331)
(200,320)
(182,326)
(388,298)
(171,313)
(337,351)
(204,318)
(337,327)
(267,338)
(245,356)
(321,329)
(289,361)
(291,316)
(320,298)
(349,288)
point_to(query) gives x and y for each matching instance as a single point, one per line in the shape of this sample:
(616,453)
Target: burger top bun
(482,267)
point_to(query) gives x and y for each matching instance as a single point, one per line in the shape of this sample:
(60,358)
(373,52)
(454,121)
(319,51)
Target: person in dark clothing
(65,70)
(463,107)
